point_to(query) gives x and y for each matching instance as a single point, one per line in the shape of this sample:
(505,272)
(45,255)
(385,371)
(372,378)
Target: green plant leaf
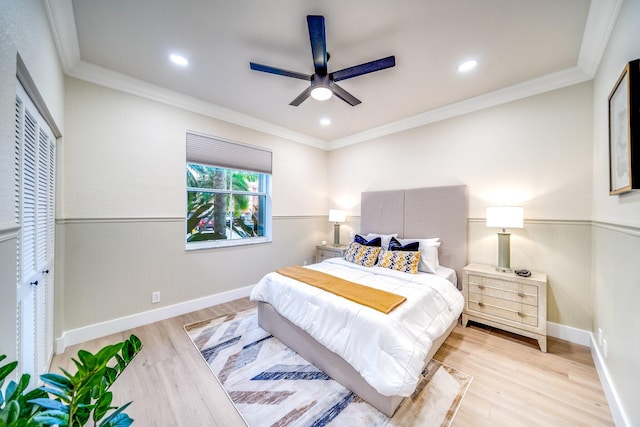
(10,412)
(121,363)
(121,420)
(56,380)
(88,359)
(108,352)
(17,389)
(110,375)
(102,406)
(116,417)
(52,417)
(10,389)
(51,404)
(82,370)
(60,394)
(137,344)
(7,369)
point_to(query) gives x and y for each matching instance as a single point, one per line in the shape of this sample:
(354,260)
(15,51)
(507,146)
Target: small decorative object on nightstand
(506,301)
(324,252)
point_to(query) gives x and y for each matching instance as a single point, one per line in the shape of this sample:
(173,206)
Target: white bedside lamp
(336,216)
(504,217)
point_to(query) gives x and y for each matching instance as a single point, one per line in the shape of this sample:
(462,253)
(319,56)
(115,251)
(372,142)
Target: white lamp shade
(336,215)
(505,217)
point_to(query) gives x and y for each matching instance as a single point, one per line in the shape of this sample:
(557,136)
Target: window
(228,193)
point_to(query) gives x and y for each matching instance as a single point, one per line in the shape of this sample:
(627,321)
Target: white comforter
(388,350)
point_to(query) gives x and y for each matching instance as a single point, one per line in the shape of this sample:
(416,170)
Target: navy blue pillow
(377,242)
(395,245)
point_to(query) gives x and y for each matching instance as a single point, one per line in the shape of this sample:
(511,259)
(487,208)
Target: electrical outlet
(155,297)
(600,337)
(605,348)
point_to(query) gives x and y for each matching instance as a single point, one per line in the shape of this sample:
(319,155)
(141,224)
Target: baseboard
(586,338)
(569,333)
(97,330)
(615,404)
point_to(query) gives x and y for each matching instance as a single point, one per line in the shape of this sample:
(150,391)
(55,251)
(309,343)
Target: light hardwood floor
(514,383)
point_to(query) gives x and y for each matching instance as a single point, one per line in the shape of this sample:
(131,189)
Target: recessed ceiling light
(467,66)
(325,121)
(179,59)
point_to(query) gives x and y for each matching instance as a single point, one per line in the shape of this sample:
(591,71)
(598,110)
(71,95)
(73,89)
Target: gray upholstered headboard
(422,213)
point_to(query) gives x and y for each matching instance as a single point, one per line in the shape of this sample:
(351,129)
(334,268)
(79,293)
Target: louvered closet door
(35,179)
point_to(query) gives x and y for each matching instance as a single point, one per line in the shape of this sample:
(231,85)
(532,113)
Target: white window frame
(217,152)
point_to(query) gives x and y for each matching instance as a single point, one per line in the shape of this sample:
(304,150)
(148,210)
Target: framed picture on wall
(624,131)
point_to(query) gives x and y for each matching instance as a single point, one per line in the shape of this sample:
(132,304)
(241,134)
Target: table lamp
(504,217)
(336,216)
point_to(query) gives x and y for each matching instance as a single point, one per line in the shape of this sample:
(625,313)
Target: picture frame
(624,131)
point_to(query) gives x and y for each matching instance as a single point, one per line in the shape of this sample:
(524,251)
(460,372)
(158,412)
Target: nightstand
(324,252)
(506,301)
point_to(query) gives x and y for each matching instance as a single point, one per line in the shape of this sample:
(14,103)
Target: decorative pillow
(395,245)
(385,238)
(376,241)
(361,254)
(429,253)
(400,260)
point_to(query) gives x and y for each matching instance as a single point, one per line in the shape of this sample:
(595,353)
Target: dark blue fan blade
(318,43)
(344,95)
(304,95)
(361,69)
(279,71)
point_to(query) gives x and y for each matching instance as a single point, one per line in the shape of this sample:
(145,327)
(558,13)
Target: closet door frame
(35,167)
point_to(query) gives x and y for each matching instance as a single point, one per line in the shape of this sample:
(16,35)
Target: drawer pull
(521,314)
(481,304)
(520,294)
(480,286)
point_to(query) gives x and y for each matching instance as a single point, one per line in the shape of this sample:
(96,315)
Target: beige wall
(534,152)
(616,234)
(122,230)
(24,31)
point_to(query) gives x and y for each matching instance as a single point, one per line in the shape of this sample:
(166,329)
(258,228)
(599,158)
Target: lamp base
(504,252)
(336,234)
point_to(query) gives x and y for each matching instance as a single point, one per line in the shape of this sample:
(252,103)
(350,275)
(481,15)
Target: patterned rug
(271,385)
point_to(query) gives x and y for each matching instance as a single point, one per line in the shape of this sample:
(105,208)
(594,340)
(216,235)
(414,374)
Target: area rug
(271,385)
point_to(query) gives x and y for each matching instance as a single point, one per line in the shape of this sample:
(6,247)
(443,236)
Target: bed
(351,343)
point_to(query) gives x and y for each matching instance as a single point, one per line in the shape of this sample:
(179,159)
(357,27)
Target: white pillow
(386,238)
(428,253)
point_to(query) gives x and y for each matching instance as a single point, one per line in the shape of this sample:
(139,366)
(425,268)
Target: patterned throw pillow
(400,260)
(361,254)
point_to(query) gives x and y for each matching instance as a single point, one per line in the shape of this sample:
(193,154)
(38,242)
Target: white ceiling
(523,47)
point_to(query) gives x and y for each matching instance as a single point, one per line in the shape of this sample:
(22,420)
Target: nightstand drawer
(504,309)
(506,301)
(325,252)
(511,291)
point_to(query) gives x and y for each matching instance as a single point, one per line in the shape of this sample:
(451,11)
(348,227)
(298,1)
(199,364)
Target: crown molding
(600,22)
(526,89)
(601,19)
(65,34)
(114,80)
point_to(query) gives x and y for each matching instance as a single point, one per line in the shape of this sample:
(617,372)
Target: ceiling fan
(323,84)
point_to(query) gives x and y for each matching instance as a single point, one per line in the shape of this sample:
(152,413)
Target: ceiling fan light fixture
(321,93)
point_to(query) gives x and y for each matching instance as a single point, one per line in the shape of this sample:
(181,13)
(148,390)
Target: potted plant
(72,400)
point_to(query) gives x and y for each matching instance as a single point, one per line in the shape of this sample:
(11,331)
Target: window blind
(213,151)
